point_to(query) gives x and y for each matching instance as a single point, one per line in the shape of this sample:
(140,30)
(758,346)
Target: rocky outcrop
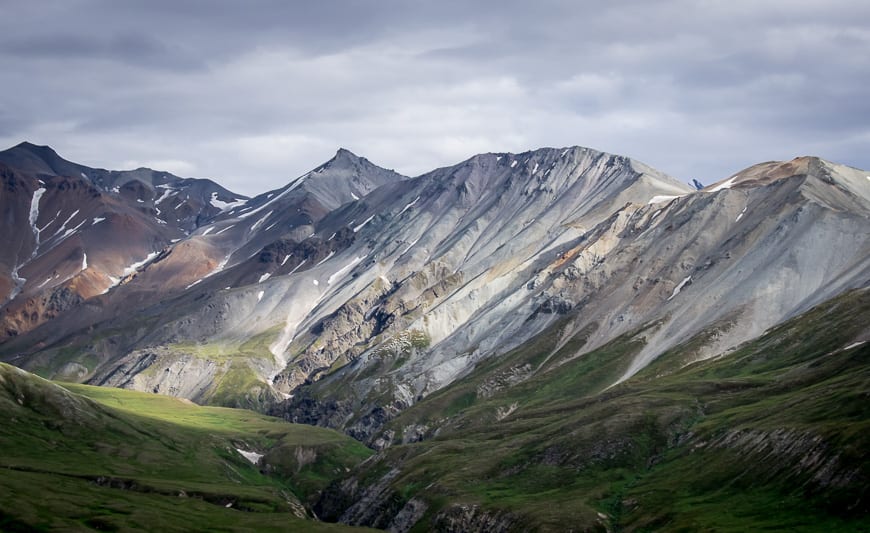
(472,518)
(376,506)
(790,453)
(163,371)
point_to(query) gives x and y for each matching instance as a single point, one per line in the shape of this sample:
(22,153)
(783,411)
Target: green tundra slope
(77,457)
(772,436)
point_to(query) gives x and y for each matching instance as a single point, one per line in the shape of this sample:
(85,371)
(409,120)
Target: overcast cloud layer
(252,94)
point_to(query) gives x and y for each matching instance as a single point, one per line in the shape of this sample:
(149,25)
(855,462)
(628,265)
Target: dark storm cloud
(255,93)
(127,48)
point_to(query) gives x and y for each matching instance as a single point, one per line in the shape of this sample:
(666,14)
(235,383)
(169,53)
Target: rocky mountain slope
(592,314)
(75,232)
(772,436)
(398,286)
(732,261)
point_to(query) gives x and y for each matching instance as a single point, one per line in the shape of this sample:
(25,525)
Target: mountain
(772,436)
(246,242)
(184,203)
(513,331)
(79,232)
(731,261)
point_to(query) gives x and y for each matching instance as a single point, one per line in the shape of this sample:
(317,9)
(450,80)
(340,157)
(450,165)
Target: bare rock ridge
(81,231)
(353,293)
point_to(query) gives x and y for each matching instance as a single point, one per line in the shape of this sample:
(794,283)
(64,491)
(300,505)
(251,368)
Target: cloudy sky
(254,93)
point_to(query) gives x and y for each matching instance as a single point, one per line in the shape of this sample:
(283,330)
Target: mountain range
(514,330)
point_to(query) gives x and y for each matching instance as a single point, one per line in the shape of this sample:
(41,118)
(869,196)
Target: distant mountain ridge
(533,340)
(350,265)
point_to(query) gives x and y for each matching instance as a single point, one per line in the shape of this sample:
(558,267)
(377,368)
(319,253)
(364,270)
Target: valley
(556,338)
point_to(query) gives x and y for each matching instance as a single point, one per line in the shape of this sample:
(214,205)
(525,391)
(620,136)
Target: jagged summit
(831,184)
(766,173)
(555,170)
(40,160)
(344,153)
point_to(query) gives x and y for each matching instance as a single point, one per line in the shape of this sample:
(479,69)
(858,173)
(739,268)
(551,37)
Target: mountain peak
(343,156)
(31,146)
(344,152)
(44,152)
(39,159)
(770,171)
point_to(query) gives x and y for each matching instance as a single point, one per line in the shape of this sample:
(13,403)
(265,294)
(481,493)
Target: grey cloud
(255,93)
(134,48)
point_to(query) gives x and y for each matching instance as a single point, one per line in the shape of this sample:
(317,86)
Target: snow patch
(740,215)
(663,198)
(679,287)
(297,182)
(207,231)
(725,185)
(84,175)
(220,266)
(34,213)
(97,220)
(166,192)
(409,205)
(366,221)
(342,271)
(535,169)
(264,277)
(325,259)
(253,457)
(409,246)
(225,229)
(315,282)
(84,261)
(260,295)
(69,232)
(261,221)
(297,267)
(286,257)
(63,226)
(859,343)
(135,266)
(355,197)
(19,283)
(514,163)
(223,206)
(114,281)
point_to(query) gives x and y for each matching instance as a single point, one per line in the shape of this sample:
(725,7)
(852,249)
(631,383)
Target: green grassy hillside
(78,457)
(773,436)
